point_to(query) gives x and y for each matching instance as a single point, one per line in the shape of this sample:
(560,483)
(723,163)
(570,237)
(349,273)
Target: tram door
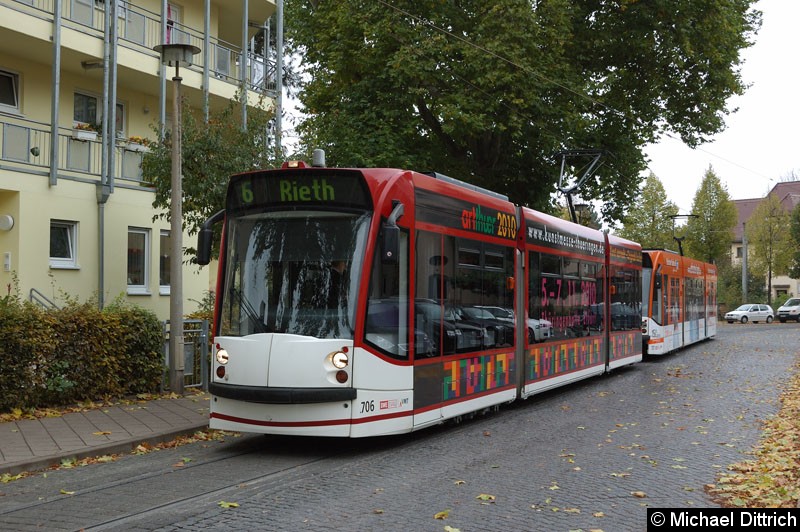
(433,270)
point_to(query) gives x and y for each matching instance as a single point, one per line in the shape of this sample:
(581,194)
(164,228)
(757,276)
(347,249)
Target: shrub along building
(76,217)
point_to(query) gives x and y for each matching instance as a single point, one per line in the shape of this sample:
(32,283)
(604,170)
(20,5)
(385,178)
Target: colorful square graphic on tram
(473,375)
(549,360)
(625,344)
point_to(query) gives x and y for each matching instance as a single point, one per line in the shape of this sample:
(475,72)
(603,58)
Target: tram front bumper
(281,396)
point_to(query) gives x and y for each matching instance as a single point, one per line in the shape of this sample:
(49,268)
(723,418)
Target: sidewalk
(33,444)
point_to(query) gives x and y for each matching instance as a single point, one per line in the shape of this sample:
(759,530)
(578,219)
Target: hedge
(78,353)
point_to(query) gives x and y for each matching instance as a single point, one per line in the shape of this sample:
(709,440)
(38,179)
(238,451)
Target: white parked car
(538,330)
(790,310)
(751,312)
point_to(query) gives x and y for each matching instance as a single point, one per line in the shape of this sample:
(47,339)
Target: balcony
(25,148)
(139,31)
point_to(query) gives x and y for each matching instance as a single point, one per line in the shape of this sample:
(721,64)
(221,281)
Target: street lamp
(175,55)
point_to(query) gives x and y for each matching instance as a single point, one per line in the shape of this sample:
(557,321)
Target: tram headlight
(340,360)
(222,356)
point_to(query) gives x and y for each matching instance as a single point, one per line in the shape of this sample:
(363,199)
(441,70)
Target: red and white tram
(679,305)
(362,302)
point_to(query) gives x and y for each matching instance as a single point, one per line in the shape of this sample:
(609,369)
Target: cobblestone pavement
(590,456)
(593,456)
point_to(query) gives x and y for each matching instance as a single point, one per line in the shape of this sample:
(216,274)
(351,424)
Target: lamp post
(175,55)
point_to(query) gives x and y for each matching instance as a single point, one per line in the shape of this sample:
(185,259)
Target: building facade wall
(35,199)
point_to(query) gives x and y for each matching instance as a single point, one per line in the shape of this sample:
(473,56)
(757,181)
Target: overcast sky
(760,144)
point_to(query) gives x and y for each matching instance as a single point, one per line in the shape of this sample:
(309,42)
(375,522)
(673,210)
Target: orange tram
(363,302)
(679,305)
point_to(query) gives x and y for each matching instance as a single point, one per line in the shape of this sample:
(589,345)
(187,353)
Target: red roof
(788,192)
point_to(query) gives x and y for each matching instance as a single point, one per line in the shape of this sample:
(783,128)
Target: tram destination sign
(298,188)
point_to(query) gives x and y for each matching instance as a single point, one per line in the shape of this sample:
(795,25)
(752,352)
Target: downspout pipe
(103,191)
(54,98)
(279,79)
(162,91)
(112,96)
(206,58)
(243,63)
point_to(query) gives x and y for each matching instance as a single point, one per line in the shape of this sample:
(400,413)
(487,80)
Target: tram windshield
(293,272)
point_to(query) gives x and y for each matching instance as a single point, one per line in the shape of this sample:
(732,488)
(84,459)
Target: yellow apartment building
(76,217)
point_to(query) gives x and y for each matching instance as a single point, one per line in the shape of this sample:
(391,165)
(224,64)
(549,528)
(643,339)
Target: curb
(36,464)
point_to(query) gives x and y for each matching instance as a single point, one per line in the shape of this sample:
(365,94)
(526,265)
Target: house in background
(76,217)
(788,192)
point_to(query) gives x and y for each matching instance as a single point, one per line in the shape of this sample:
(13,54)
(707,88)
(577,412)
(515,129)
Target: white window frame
(164,289)
(139,289)
(71,262)
(15,79)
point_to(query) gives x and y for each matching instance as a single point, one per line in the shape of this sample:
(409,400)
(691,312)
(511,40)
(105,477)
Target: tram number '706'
(367,406)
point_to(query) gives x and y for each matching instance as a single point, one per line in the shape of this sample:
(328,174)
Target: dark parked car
(456,336)
(500,332)
(383,318)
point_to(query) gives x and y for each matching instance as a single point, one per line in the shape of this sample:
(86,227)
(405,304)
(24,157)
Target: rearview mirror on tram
(204,246)
(205,238)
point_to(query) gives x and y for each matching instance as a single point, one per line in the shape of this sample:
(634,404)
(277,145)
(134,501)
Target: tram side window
(590,293)
(675,299)
(657,301)
(626,298)
(434,270)
(711,309)
(386,327)
(564,297)
(482,306)
(460,285)
(694,298)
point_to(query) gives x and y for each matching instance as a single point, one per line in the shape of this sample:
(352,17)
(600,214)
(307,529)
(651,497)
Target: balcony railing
(25,145)
(140,29)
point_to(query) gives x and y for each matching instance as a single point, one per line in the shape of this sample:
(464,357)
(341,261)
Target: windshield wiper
(249,311)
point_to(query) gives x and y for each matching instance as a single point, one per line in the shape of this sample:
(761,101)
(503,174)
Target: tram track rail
(140,502)
(119,500)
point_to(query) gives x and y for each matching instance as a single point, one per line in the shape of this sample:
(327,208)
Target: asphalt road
(593,455)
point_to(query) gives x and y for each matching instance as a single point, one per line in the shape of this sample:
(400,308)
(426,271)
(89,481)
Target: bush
(27,347)
(142,363)
(57,357)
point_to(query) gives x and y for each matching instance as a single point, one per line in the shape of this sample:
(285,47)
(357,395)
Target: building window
(738,252)
(138,260)
(63,244)
(87,110)
(9,91)
(165,246)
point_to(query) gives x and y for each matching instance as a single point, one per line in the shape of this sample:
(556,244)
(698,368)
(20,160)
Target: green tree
(585,214)
(729,287)
(769,241)
(650,222)
(487,91)
(212,152)
(709,232)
